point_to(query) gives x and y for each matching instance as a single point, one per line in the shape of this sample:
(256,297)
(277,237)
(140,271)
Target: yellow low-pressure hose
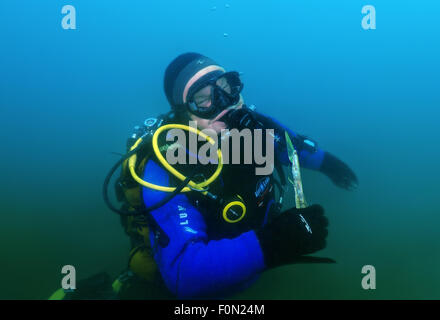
(177,174)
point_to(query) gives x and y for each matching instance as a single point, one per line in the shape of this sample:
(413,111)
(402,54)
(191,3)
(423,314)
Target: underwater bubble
(214,8)
(227,5)
(225,35)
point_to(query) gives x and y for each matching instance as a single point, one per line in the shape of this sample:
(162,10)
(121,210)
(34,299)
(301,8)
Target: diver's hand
(339,172)
(241,118)
(295,232)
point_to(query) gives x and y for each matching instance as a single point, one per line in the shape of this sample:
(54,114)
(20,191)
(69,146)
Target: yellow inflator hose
(177,174)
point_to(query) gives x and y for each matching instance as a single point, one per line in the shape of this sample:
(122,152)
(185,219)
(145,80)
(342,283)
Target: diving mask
(224,92)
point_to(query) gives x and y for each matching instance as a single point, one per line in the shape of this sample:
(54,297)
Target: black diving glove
(294,233)
(242,118)
(339,172)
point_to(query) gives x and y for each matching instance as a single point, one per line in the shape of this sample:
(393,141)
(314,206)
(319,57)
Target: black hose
(109,176)
(170,195)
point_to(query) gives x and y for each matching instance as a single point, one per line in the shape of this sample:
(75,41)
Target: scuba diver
(208,231)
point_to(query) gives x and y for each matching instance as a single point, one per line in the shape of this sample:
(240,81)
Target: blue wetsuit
(193,264)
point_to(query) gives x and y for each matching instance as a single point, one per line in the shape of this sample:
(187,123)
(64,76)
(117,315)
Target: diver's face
(203,99)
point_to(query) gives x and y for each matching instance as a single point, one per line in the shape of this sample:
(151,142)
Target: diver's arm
(192,266)
(309,154)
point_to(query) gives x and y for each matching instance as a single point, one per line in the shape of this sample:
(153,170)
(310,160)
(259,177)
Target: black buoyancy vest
(257,192)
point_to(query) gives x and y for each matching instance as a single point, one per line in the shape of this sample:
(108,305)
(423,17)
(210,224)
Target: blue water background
(70,97)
